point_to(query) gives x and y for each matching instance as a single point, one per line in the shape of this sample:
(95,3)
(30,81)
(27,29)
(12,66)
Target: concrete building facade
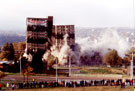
(38,33)
(59,31)
(41,34)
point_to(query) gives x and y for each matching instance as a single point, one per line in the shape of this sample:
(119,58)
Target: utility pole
(20,65)
(131,54)
(56,70)
(132,67)
(69,59)
(132,63)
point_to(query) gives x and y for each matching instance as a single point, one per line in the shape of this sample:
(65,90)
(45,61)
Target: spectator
(0,86)
(7,85)
(13,86)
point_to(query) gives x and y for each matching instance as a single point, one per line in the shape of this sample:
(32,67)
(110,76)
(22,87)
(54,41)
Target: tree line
(113,59)
(12,51)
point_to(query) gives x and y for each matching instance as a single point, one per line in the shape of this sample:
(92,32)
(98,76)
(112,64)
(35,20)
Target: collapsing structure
(59,31)
(41,35)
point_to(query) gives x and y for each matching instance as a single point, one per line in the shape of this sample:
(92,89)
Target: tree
(11,52)
(22,46)
(28,71)
(26,67)
(8,52)
(15,45)
(112,58)
(5,46)
(126,61)
(19,49)
(3,56)
(128,57)
(51,60)
(0,49)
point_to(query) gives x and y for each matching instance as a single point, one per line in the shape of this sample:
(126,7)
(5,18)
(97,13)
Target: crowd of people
(66,83)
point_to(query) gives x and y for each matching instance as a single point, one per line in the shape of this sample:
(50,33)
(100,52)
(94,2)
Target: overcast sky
(81,13)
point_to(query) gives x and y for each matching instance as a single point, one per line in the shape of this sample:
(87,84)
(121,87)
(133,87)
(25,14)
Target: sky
(81,13)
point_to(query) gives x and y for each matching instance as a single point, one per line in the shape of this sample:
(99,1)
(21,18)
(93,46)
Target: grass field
(85,70)
(100,70)
(93,88)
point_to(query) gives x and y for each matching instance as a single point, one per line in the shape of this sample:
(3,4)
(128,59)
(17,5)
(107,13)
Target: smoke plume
(108,39)
(91,48)
(62,54)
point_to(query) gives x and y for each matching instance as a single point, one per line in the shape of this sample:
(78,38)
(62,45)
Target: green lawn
(100,70)
(93,88)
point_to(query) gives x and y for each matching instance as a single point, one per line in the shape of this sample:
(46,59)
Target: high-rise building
(38,34)
(58,34)
(41,35)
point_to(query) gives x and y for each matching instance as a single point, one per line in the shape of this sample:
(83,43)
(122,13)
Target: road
(14,78)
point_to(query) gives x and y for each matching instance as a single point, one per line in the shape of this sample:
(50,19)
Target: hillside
(11,37)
